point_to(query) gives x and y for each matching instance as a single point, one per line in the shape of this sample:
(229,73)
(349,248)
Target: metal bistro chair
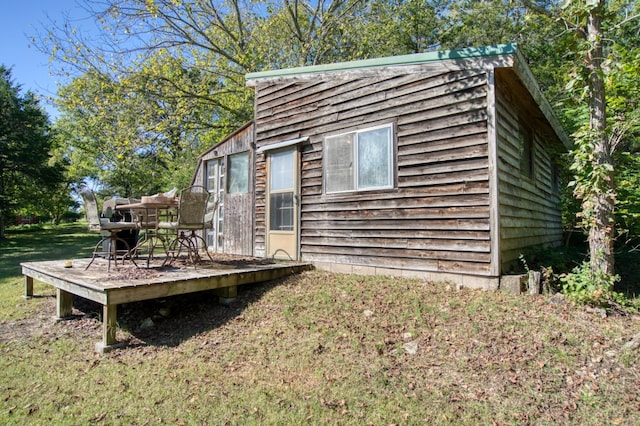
(108,230)
(192,209)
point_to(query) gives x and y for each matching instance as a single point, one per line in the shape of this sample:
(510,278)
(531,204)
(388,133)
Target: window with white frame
(360,160)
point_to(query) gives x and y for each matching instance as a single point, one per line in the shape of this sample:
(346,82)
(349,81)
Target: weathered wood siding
(529,207)
(436,218)
(238,208)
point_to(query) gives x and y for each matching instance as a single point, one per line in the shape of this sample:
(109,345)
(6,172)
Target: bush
(71,216)
(583,286)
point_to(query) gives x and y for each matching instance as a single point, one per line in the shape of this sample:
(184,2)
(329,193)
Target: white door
(216,186)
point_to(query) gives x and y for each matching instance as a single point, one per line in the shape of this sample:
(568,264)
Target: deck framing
(110,290)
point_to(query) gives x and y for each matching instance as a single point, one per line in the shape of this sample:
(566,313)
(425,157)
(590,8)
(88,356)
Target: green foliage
(142,118)
(584,286)
(388,28)
(623,86)
(26,174)
(628,201)
(479,23)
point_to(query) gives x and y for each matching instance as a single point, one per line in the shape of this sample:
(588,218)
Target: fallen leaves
(335,348)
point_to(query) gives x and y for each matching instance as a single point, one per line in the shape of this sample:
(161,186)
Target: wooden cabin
(440,165)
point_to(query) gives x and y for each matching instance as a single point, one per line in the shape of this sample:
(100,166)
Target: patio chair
(109,231)
(192,209)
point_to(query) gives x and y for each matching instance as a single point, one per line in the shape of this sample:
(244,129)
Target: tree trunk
(600,201)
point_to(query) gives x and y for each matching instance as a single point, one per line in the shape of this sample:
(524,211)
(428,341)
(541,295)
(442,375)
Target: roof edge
(415,58)
(525,74)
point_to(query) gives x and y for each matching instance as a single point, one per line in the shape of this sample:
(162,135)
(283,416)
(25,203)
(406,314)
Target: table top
(151,204)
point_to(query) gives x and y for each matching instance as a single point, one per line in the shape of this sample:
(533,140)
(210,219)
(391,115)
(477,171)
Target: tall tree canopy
(25,150)
(164,79)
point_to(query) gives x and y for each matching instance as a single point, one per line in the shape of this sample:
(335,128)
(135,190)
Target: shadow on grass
(157,322)
(170,321)
(68,241)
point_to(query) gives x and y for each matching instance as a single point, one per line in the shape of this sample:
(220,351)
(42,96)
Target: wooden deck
(129,284)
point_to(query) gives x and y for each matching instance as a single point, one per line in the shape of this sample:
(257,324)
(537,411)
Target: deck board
(129,284)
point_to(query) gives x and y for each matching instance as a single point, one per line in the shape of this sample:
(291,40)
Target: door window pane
(281,171)
(281,211)
(239,173)
(212,175)
(215,185)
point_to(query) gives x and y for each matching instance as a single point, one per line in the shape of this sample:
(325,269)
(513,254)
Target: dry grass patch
(322,348)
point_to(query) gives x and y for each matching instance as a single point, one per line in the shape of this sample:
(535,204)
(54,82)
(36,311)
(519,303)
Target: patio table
(147,214)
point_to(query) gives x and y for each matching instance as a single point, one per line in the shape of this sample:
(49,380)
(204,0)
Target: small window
(238,173)
(281,171)
(361,160)
(281,211)
(527,152)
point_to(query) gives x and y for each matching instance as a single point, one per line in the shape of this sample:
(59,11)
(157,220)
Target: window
(281,188)
(281,211)
(238,173)
(214,180)
(555,177)
(527,153)
(361,160)
(281,171)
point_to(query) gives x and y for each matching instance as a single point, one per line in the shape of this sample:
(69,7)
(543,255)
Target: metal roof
(417,58)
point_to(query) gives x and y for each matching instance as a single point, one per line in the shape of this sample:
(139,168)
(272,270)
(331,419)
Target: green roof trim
(416,58)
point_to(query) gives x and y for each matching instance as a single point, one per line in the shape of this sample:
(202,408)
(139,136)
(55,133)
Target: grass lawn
(316,348)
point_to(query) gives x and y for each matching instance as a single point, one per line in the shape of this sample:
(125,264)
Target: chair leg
(112,250)
(197,237)
(114,241)
(95,251)
(174,249)
(190,244)
(151,241)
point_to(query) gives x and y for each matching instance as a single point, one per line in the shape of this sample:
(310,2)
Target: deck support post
(227,295)
(109,325)
(65,303)
(109,292)
(28,287)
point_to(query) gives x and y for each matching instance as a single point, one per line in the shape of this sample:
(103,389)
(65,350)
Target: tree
(164,80)
(597,139)
(623,104)
(139,141)
(25,143)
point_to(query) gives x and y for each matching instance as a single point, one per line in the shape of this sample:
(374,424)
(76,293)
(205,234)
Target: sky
(20,19)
